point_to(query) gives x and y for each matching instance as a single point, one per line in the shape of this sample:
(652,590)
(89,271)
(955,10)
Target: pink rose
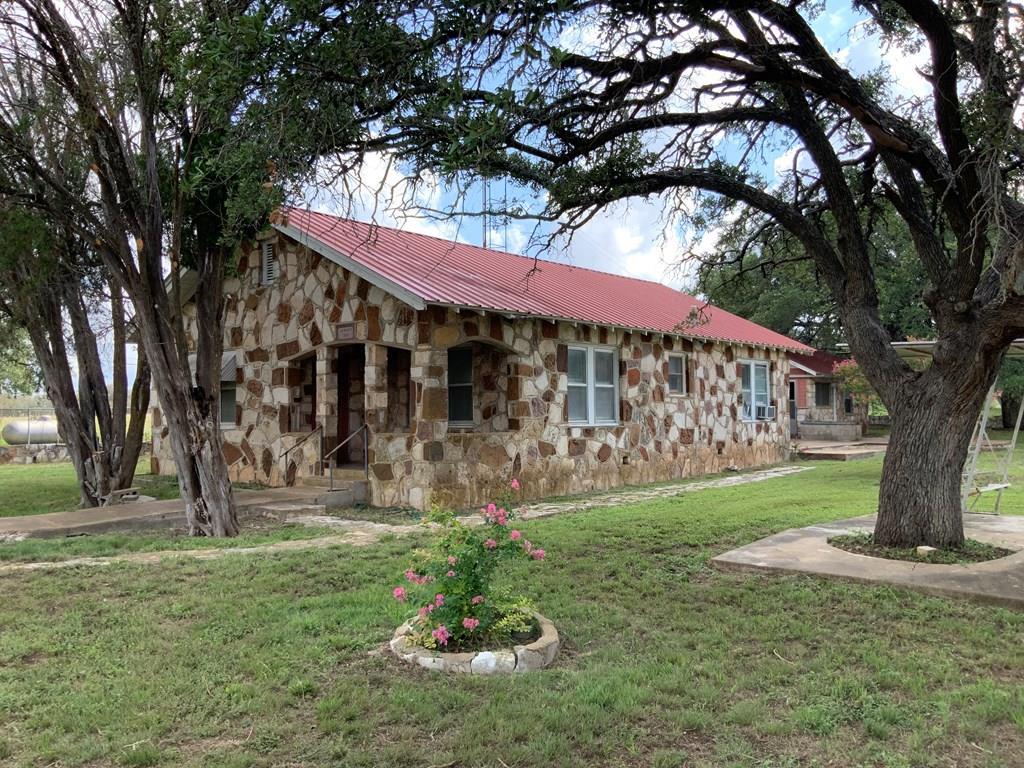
(477,600)
(470,623)
(441,635)
(515,535)
(537,554)
(492,508)
(514,484)
(438,599)
(399,593)
(490,544)
(451,574)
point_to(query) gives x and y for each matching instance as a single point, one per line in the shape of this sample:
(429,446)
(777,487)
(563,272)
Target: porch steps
(347,492)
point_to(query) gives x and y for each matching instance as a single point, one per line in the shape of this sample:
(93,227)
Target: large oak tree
(596,101)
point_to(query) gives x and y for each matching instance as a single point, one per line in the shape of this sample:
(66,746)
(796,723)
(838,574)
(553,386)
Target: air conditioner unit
(765,412)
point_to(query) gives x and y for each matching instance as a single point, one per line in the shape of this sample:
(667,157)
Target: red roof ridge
(495,250)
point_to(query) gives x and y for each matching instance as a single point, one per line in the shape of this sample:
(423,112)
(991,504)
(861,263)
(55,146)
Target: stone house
(449,369)
(819,407)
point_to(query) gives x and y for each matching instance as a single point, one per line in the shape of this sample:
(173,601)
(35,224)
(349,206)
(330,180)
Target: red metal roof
(449,273)
(819,362)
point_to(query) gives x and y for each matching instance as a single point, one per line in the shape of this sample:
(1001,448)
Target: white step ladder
(972,491)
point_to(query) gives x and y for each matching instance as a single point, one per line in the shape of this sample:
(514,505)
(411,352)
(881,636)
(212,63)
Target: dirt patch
(971,552)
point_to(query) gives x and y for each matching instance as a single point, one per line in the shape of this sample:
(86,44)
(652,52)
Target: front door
(351,401)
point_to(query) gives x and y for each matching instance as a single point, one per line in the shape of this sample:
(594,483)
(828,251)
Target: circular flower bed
(519,658)
(464,610)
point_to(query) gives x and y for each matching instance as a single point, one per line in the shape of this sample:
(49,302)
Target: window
(227,403)
(822,394)
(677,374)
(592,385)
(268,264)
(460,385)
(754,382)
(848,405)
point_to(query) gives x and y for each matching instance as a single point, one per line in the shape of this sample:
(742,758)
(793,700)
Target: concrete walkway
(362,533)
(143,514)
(807,551)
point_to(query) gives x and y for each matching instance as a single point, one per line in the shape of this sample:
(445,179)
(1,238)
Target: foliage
(453,582)
(853,381)
(19,373)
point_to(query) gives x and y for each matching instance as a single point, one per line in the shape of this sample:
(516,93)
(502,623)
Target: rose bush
(452,585)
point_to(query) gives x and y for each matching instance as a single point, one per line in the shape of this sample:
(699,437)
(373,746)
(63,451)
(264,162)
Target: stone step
(282,511)
(341,477)
(347,495)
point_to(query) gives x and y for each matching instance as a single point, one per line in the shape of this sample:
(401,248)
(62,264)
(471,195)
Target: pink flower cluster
(441,635)
(399,593)
(415,578)
(495,514)
(491,544)
(470,623)
(477,600)
(515,484)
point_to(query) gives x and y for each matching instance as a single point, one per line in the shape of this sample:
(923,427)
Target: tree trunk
(1010,406)
(919,498)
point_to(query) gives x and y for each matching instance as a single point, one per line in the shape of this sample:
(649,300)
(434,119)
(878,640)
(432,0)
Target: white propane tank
(31,432)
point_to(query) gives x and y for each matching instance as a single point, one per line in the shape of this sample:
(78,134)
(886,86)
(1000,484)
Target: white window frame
(462,385)
(668,379)
(270,267)
(751,414)
(592,385)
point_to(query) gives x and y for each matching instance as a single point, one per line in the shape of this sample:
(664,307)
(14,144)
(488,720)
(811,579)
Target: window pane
(227,402)
(578,366)
(675,382)
(761,384)
(604,367)
(822,394)
(460,366)
(604,404)
(675,365)
(577,404)
(460,403)
(745,377)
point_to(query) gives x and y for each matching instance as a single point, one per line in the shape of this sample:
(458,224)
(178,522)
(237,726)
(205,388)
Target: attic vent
(268,264)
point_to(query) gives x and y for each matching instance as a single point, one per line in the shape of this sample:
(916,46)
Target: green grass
(35,489)
(276,660)
(110,544)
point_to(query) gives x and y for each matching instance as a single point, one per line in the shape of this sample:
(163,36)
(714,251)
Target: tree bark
(932,418)
(1010,406)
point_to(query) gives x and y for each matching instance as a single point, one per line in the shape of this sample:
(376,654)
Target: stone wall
(521,426)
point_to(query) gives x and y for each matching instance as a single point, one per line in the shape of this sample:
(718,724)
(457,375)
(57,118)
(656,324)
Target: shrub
(453,584)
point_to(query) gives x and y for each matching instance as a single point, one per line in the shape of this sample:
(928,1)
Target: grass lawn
(34,489)
(274,660)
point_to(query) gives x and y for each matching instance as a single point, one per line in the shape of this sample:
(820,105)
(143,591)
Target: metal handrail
(363,428)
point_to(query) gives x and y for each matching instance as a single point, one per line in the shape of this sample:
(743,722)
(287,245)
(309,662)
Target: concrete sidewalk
(143,514)
(807,551)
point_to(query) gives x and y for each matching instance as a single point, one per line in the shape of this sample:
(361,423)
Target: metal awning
(922,350)
(228,363)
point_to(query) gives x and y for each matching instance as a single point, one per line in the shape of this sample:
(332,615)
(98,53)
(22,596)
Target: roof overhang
(923,350)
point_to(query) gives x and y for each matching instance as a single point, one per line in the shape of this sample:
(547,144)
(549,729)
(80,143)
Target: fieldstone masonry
(316,314)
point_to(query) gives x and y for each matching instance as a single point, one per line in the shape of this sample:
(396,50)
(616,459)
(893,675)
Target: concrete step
(283,511)
(346,495)
(341,477)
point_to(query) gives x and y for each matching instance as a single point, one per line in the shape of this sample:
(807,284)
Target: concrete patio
(807,551)
(143,514)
